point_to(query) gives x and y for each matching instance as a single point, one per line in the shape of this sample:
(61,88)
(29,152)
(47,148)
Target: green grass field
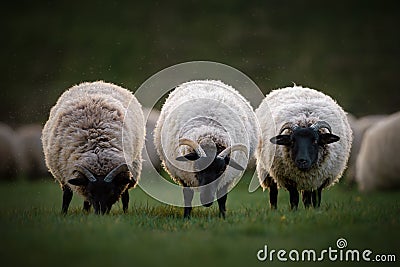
(34,233)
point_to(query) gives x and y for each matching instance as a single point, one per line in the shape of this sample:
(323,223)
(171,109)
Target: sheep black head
(304,142)
(210,162)
(102,191)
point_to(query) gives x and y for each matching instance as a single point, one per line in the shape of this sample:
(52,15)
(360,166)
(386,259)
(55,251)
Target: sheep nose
(302,164)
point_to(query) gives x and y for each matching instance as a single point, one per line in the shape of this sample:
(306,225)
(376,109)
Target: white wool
(302,106)
(378,163)
(94,124)
(203,110)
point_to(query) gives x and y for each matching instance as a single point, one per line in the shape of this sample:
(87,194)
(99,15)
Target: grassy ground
(33,233)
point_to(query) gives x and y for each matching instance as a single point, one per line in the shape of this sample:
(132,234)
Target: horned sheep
(297,148)
(201,125)
(93,142)
(378,165)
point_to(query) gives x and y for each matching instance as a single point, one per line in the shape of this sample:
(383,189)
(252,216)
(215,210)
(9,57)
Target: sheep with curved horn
(93,144)
(204,127)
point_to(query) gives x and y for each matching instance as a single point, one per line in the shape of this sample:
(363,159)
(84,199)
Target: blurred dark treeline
(348,49)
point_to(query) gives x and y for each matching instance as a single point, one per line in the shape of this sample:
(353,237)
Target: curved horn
(85,172)
(230,149)
(288,126)
(194,145)
(321,124)
(117,170)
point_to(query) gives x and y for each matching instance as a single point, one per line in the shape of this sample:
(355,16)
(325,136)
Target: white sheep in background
(378,165)
(93,142)
(200,126)
(9,151)
(297,149)
(31,159)
(151,149)
(359,127)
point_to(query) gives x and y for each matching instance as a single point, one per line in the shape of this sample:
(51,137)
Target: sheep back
(98,125)
(378,165)
(230,120)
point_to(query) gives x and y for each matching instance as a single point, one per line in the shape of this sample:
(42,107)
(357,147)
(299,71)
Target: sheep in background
(31,159)
(201,127)
(359,127)
(9,151)
(378,165)
(151,149)
(297,148)
(93,143)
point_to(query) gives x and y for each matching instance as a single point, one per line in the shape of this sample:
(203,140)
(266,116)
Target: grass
(34,233)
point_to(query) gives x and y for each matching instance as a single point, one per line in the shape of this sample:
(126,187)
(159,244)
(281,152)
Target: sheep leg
(316,197)
(294,197)
(222,196)
(307,195)
(86,206)
(273,194)
(125,200)
(187,197)
(67,197)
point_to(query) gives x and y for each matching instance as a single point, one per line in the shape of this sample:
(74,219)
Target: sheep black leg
(67,197)
(187,197)
(273,195)
(294,197)
(307,195)
(86,206)
(316,197)
(222,195)
(125,200)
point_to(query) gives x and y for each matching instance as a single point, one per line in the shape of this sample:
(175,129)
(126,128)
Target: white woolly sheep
(151,149)
(93,143)
(297,149)
(31,159)
(378,164)
(359,126)
(9,151)
(201,124)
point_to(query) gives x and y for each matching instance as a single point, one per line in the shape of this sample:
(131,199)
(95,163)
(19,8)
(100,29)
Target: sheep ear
(282,139)
(79,181)
(191,156)
(234,164)
(328,138)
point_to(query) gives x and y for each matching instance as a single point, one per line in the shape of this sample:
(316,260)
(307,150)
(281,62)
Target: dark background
(347,49)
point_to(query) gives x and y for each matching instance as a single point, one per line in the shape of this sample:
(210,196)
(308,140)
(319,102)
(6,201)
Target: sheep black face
(304,142)
(103,191)
(209,166)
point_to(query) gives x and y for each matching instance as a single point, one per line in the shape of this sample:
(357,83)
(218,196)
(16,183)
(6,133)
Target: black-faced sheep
(201,125)
(378,165)
(93,142)
(304,145)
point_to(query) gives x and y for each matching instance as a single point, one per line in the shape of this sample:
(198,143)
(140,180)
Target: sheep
(31,160)
(359,126)
(93,143)
(202,123)
(9,151)
(378,165)
(297,148)
(154,160)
